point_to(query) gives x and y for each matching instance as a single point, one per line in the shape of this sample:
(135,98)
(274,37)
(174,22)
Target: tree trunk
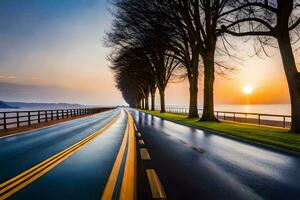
(152,91)
(209,78)
(162,100)
(193,81)
(193,107)
(143,104)
(293,77)
(147,101)
(153,101)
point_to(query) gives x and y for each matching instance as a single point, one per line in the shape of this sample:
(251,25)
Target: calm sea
(279,109)
(32,109)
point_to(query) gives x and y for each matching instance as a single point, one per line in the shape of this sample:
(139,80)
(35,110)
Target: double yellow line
(128,187)
(20,181)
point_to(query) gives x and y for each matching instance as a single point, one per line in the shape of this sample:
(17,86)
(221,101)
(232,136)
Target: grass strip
(278,137)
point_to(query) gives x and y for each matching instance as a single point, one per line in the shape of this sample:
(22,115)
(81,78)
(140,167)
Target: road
(72,160)
(103,157)
(198,164)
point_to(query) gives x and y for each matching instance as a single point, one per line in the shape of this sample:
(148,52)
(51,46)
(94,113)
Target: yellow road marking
(30,175)
(155,185)
(144,154)
(141,142)
(23,176)
(128,187)
(111,183)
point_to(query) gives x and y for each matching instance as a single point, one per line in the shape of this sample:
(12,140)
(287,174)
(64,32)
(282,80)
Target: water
(275,109)
(37,108)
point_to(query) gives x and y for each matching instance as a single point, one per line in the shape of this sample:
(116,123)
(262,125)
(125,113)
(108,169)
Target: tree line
(152,40)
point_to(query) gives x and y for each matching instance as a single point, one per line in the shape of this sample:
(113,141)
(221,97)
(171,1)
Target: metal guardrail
(13,119)
(257,118)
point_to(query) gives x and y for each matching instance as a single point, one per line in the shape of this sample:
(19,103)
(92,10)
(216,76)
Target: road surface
(72,160)
(197,164)
(103,157)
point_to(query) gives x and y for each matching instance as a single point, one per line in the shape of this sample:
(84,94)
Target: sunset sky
(52,51)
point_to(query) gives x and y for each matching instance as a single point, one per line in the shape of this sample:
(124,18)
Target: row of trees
(153,39)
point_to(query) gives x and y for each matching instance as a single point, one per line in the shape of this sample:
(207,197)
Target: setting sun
(248,89)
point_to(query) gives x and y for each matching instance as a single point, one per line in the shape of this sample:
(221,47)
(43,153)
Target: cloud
(34,78)
(8,77)
(11,77)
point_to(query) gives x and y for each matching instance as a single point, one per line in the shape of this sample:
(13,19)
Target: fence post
(29,122)
(4,121)
(57,117)
(18,120)
(51,114)
(283,121)
(39,117)
(46,116)
(258,118)
(67,113)
(246,117)
(224,115)
(233,116)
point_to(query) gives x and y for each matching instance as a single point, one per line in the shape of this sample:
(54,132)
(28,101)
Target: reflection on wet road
(198,163)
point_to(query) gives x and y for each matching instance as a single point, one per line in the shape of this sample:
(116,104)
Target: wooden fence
(256,118)
(13,119)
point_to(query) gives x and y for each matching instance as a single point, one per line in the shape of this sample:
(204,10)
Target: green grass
(274,136)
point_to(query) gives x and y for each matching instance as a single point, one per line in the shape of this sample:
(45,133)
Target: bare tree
(129,74)
(136,26)
(195,25)
(279,20)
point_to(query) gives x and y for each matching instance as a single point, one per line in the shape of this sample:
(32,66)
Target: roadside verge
(269,137)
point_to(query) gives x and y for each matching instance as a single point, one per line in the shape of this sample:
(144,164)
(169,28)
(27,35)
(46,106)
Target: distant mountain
(40,105)
(4,105)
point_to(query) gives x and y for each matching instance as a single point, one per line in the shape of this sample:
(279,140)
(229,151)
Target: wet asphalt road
(83,175)
(190,163)
(226,169)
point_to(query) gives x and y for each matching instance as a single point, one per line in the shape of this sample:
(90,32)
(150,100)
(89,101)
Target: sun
(248,89)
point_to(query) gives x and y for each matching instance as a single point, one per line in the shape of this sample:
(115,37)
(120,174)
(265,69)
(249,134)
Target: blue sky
(22,22)
(58,45)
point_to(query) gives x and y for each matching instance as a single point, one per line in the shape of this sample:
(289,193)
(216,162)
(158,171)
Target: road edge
(251,142)
(44,127)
